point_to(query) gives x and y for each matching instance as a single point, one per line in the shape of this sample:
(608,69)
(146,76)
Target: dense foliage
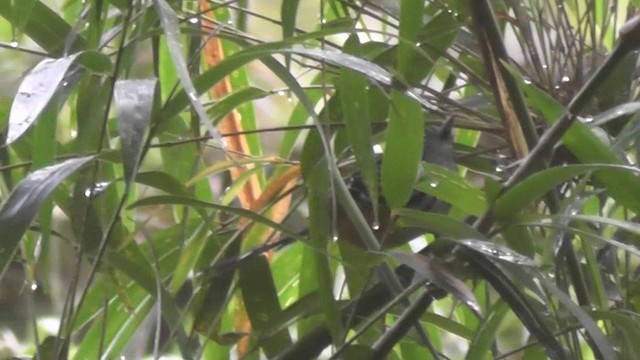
(152,149)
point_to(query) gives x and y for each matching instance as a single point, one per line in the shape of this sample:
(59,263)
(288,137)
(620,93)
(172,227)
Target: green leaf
(352,90)
(588,148)
(405,137)
(24,201)
(288,13)
(169,22)
(411,13)
(516,199)
(189,201)
(134,102)
(142,273)
(599,342)
(34,93)
(449,186)
(261,301)
(437,273)
(45,28)
(96,62)
(486,335)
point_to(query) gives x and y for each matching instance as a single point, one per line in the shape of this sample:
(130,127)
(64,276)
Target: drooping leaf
(45,27)
(535,186)
(169,22)
(405,139)
(486,335)
(35,92)
(261,301)
(601,345)
(134,105)
(24,201)
(442,277)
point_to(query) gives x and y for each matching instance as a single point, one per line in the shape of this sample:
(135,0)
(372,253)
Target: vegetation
(139,188)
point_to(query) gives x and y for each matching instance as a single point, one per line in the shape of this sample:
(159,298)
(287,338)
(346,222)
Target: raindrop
(499,169)
(33,286)
(14,43)
(281,93)
(193,96)
(230,22)
(334,237)
(545,66)
(323,21)
(97,189)
(375,226)
(418,44)
(565,79)
(588,119)
(194,20)
(289,99)
(527,81)
(434,184)
(65,83)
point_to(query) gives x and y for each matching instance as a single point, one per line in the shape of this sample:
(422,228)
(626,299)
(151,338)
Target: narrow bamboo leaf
(162,181)
(623,110)
(95,61)
(588,148)
(512,202)
(113,335)
(320,233)
(24,201)
(169,22)
(21,12)
(599,342)
(34,93)
(142,273)
(486,335)
(261,301)
(441,277)
(497,251)
(189,201)
(45,27)
(243,96)
(134,104)
(411,13)
(626,325)
(230,63)
(519,305)
(288,13)
(354,97)
(438,223)
(449,325)
(449,186)
(405,137)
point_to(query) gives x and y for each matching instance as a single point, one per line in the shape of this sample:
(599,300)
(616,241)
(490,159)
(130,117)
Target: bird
(438,149)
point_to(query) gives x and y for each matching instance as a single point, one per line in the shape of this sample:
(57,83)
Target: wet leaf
(497,251)
(169,22)
(35,92)
(24,202)
(442,277)
(134,104)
